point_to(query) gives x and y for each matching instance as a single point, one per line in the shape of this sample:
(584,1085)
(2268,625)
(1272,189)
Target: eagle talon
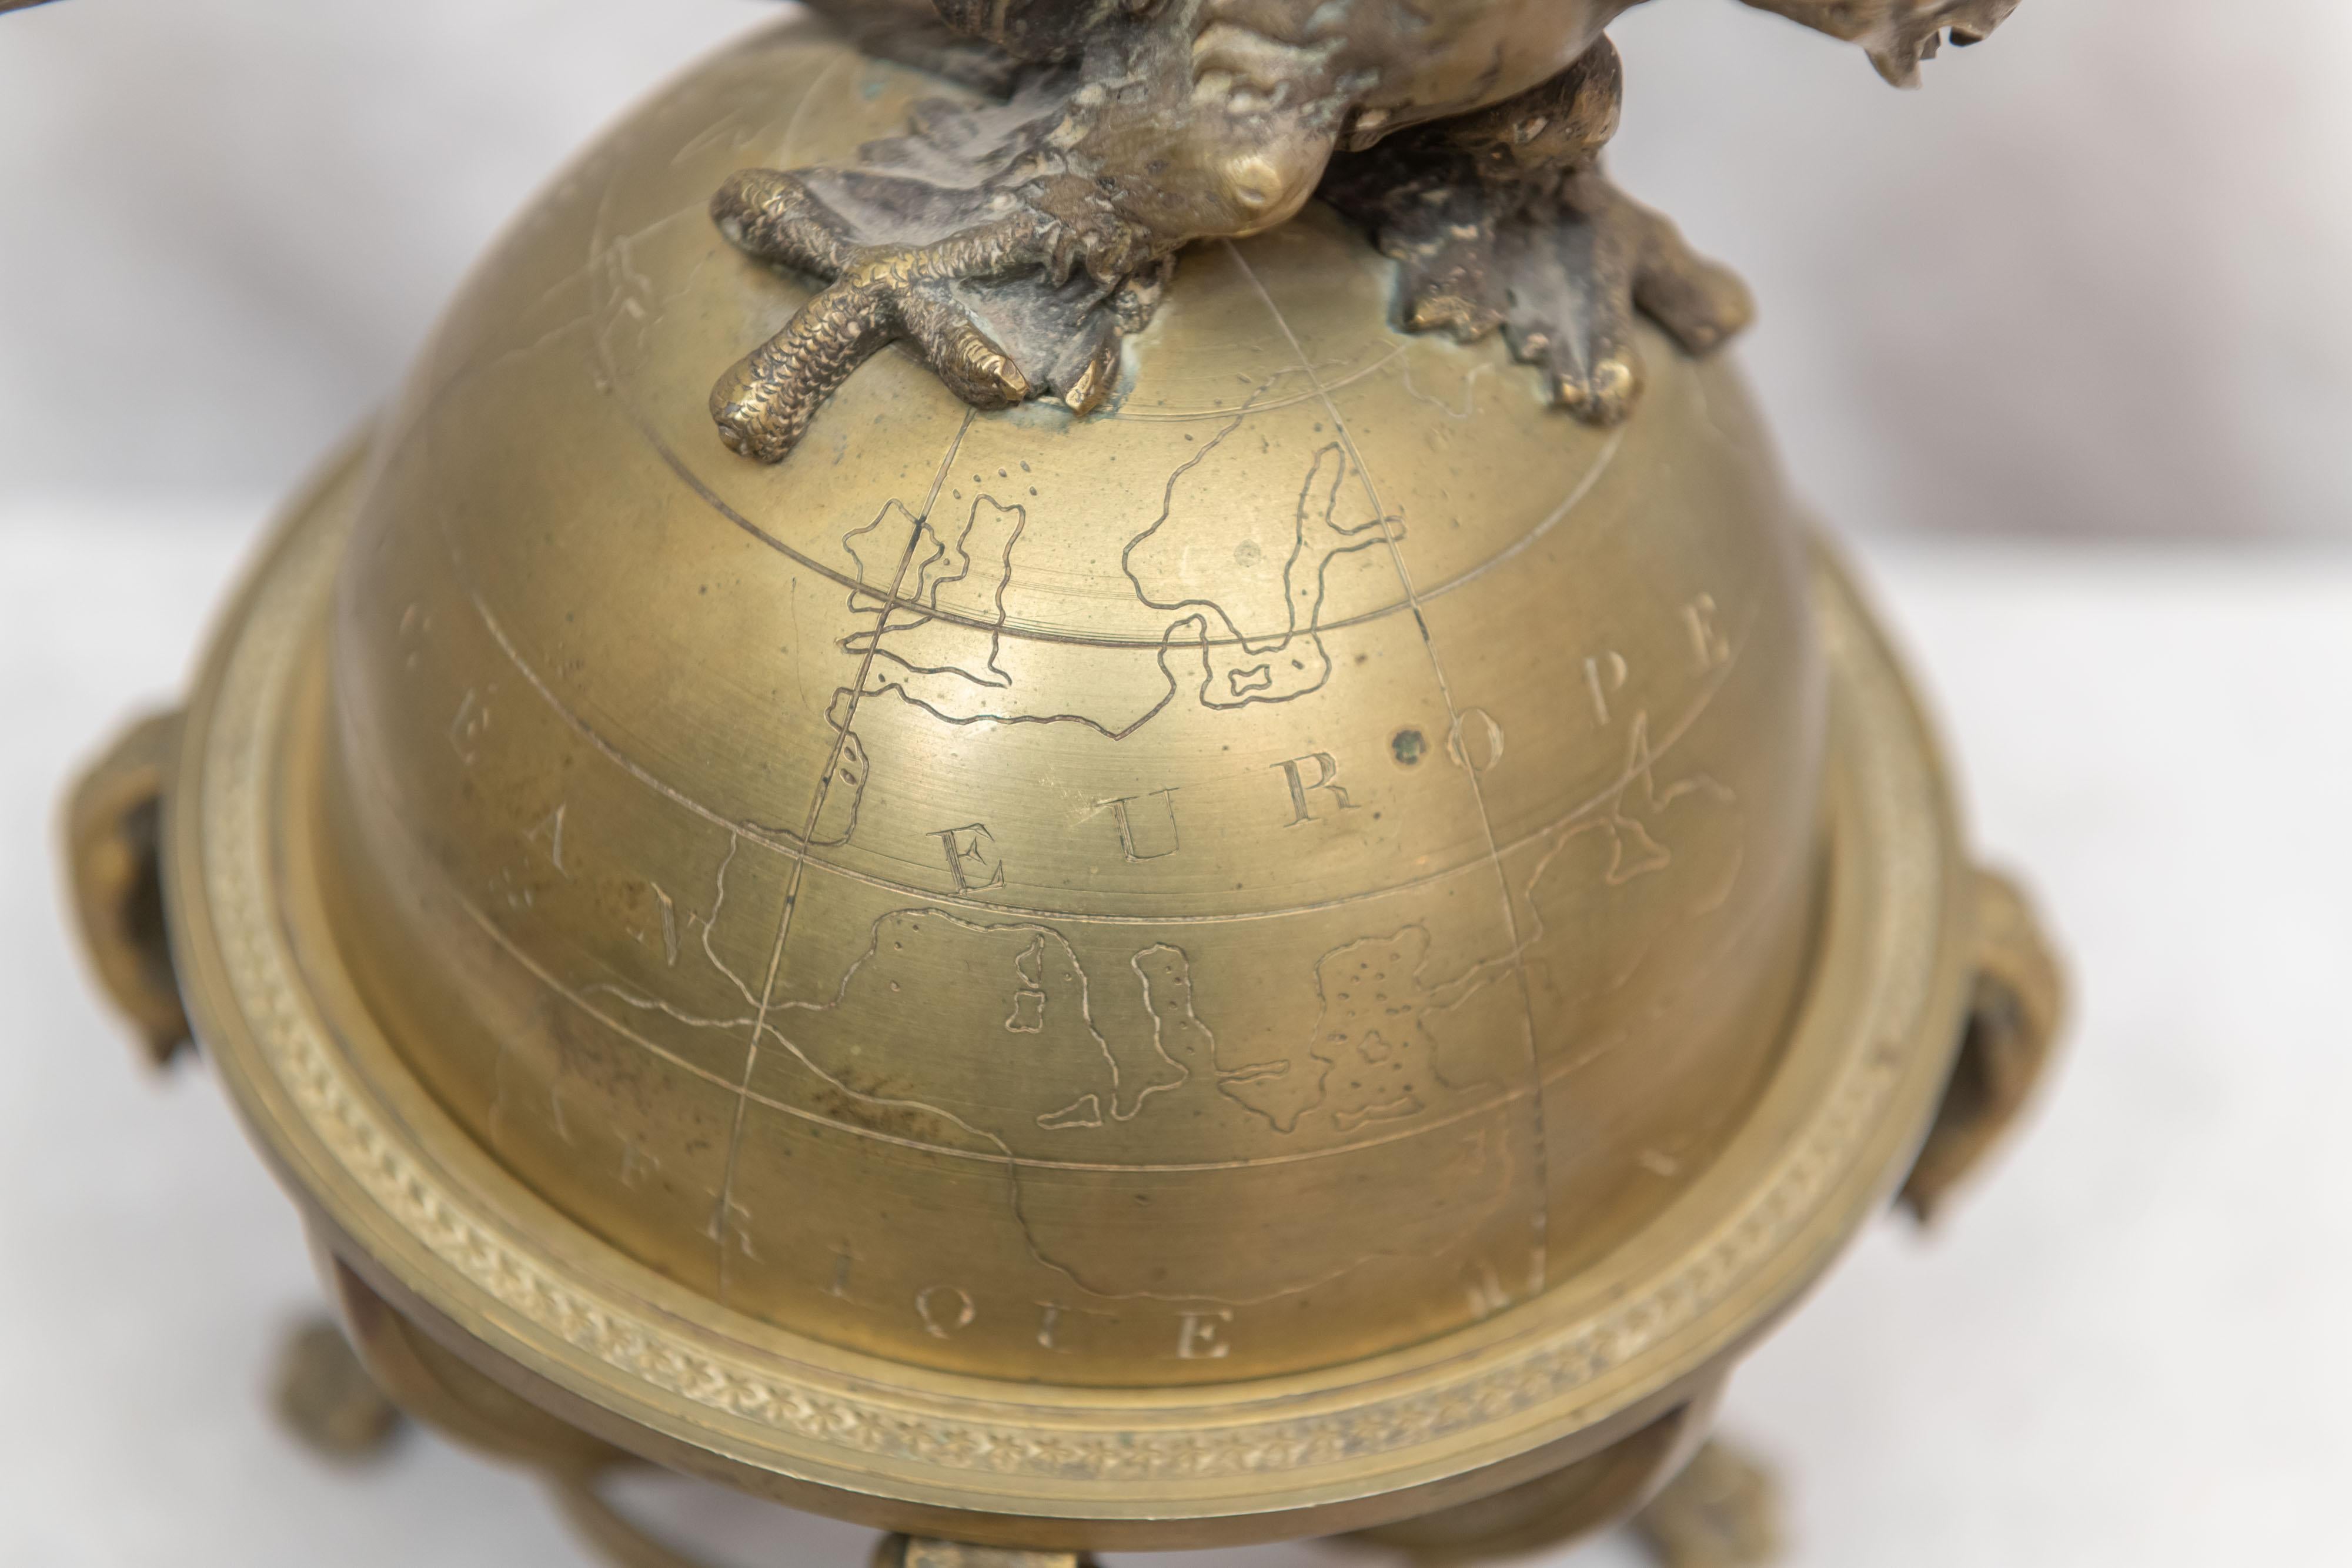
(1608,258)
(1504,219)
(921,295)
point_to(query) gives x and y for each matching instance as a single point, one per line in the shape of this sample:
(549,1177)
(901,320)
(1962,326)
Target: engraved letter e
(1199,1339)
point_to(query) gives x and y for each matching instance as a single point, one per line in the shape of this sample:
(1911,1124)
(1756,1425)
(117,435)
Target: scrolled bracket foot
(114,847)
(2015,1015)
(921,1551)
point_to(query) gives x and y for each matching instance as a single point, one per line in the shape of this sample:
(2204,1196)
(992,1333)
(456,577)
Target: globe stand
(346,1390)
(1720,1510)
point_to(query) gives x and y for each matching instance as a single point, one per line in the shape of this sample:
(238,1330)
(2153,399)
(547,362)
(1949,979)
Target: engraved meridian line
(723,1214)
(1540,1211)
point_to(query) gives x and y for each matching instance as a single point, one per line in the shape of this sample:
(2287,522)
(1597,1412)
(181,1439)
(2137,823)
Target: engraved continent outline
(951,663)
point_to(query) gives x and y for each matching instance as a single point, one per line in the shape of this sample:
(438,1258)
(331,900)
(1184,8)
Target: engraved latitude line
(599,246)
(559,987)
(780,842)
(690,475)
(893,615)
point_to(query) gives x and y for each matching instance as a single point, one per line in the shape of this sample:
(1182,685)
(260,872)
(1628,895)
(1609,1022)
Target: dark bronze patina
(1013,240)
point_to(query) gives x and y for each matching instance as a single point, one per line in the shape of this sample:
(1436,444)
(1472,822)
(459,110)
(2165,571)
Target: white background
(2093,280)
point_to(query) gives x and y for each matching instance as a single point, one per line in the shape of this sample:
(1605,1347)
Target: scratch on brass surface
(1469,409)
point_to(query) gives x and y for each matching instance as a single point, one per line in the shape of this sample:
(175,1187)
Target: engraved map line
(1261,644)
(1540,1214)
(869,642)
(1185,639)
(572,995)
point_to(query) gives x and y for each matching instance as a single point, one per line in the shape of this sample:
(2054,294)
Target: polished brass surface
(1139,901)
(1320,948)
(1020,230)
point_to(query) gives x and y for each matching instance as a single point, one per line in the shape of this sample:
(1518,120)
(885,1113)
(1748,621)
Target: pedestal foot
(326,1398)
(917,1551)
(1722,1511)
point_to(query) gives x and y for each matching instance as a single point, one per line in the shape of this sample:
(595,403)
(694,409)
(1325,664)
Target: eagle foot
(1503,219)
(1005,309)
(1574,279)
(1561,275)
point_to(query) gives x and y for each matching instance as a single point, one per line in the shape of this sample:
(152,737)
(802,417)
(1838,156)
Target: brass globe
(1286,866)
